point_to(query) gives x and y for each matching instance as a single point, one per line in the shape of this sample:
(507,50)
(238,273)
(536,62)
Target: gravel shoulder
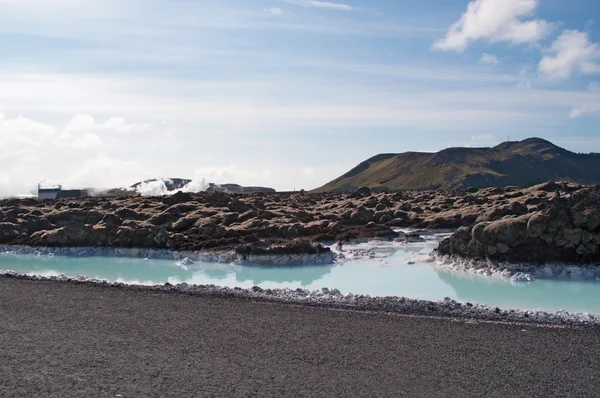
(66,339)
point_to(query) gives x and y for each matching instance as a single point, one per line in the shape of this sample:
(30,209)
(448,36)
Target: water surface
(406,272)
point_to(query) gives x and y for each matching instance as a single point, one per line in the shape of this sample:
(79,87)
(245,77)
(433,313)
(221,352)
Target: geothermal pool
(394,270)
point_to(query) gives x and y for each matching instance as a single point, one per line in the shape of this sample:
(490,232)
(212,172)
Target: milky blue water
(389,276)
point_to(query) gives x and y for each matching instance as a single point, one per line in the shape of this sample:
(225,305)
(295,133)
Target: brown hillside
(522,163)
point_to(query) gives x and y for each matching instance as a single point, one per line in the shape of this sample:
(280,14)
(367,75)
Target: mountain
(235,188)
(516,163)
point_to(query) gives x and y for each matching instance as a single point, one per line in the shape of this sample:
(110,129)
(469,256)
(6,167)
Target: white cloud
(488,59)
(592,106)
(104,171)
(274,11)
(21,131)
(80,132)
(494,21)
(322,4)
(80,153)
(585,111)
(79,141)
(87,123)
(572,52)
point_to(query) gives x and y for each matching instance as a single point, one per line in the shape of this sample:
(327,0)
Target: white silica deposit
(164,254)
(520,272)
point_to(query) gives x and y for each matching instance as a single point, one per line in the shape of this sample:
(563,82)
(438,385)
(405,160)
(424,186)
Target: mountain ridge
(513,163)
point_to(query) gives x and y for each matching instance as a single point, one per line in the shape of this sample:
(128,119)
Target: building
(53,192)
(48,192)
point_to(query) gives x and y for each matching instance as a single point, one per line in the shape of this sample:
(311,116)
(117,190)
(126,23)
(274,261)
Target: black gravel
(67,339)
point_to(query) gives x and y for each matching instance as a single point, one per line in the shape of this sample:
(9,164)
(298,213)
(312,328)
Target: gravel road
(81,340)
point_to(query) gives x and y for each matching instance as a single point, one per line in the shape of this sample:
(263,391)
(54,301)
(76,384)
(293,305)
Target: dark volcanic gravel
(66,339)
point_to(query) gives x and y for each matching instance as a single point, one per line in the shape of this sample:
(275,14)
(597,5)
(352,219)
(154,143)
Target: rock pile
(220,221)
(566,229)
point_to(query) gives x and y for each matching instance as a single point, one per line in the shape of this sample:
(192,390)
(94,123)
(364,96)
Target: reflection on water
(547,295)
(260,275)
(405,272)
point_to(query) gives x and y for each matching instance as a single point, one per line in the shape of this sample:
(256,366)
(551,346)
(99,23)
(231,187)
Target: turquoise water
(390,276)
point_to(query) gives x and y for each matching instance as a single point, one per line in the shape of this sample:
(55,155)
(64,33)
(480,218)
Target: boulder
(402,215)
(9,232)
(210,229)
(536,225)
(178,197)
(170,215)
(161,238)
(237,206)
(72,234)
(177,241)
(134,237)
(362,192)
(230,218)
(127,213)
(507,231)
(184,223)
(300,246)
(586,209)
(112,219)
(360,216)
(572,236)
(217,199)
(555,234)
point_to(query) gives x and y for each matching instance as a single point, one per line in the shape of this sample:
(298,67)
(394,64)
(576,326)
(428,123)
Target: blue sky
(284,93)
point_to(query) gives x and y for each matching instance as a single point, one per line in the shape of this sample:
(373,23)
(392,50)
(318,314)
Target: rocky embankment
(564,227)
(251,225)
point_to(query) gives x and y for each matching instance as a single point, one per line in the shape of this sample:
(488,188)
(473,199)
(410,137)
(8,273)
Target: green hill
(522,163)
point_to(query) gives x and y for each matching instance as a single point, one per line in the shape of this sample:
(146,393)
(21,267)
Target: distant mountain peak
(536,140)
(532,143)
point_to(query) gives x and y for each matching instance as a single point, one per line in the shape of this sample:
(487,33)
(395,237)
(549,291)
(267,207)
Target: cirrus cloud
(322,4)
(592,106)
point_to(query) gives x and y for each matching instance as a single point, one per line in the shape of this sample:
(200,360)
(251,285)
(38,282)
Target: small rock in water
(521,277)
(187,261)
(414,237)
